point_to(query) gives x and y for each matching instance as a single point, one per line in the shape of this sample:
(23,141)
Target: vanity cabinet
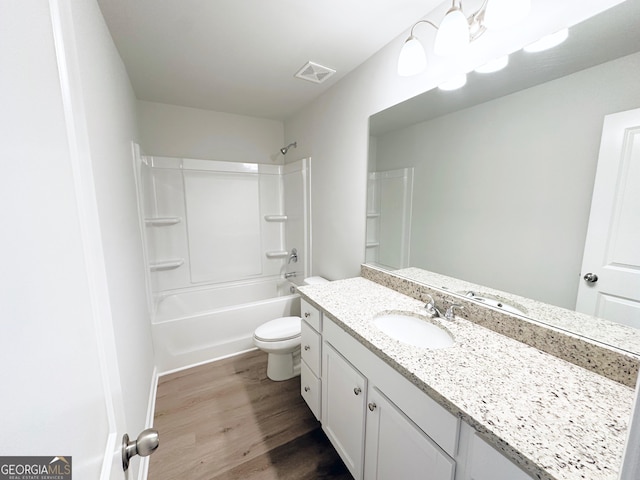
(311,355)
(365,406)
(382,425)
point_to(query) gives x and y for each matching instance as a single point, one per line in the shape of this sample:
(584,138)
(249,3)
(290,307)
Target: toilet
(281,339)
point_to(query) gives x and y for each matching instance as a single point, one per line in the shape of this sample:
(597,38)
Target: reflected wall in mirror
(504,168)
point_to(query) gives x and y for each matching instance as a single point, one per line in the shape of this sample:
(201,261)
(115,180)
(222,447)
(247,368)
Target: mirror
(503,169)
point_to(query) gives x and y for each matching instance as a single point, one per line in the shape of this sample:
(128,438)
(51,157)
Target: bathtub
(197,326)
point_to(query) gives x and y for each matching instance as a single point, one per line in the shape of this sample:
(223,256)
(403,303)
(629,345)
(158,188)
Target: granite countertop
(554,419)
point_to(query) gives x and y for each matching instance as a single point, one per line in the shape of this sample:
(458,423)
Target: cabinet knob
(357,390)
(372,406)
(307,314)
(306,389)
(307,347)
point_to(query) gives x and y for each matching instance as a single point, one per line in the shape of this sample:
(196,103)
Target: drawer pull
(357,390)
(307,347)
(372,406)
(306,389)
(307,314)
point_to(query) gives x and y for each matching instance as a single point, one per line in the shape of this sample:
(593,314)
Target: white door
(610,278)
(58,364)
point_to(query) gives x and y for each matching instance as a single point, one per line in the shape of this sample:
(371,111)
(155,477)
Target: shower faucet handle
(293,257)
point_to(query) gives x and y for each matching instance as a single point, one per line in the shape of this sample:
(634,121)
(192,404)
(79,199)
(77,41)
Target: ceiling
(240,56)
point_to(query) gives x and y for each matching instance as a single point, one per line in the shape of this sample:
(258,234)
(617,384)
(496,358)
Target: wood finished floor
(226,420)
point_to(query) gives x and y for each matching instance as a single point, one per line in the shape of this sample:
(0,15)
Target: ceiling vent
(314,73)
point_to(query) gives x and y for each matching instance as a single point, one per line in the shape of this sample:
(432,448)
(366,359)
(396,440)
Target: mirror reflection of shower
(284,150)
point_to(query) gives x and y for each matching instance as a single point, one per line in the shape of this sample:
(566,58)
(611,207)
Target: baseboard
(204,362)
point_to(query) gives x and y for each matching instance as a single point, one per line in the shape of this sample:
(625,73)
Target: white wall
(504,188)
(333,130)
(172,131)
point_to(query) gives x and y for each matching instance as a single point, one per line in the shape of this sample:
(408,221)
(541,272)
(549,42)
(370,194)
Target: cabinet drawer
(311,315)
(310,388)
(311,348)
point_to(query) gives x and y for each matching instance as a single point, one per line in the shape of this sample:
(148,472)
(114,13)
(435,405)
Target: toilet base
(283,366)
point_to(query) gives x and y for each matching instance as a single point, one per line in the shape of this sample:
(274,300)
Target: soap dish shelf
(275,218)
(161,221)
(166,265)
(277,254)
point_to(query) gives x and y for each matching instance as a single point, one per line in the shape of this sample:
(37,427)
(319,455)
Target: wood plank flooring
(226,420)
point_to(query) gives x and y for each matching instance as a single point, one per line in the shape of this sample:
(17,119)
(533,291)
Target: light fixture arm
(422,21)
(476,20)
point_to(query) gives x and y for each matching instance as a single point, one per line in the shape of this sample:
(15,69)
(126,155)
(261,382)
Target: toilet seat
(284,328)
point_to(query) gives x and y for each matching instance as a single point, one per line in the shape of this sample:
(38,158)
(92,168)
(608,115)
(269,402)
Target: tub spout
(289,274)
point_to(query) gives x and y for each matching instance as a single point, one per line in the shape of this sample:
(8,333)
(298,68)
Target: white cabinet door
(611,262)
(486,463)
(344,393)
(397,448)
(310,389)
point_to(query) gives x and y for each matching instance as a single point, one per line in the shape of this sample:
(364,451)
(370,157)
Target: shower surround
(218,236)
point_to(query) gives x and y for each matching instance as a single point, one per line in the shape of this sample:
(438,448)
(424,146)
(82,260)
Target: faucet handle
(430,307)
(451,314)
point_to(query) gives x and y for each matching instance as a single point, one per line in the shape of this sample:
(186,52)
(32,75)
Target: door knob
(144,445)
(591,277)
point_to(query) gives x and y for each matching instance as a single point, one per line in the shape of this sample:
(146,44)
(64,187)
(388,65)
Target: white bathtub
(201,325)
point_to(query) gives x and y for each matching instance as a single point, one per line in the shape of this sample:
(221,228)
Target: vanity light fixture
(494,65)
(457,30)
(548,41)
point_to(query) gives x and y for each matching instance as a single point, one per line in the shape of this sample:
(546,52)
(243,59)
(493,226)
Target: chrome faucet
(289,274)
(293,257)
(431,308)
(451,314)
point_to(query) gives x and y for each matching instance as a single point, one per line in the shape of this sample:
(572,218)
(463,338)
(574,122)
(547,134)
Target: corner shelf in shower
(373,215)
(277,254)
(161,221)
(372,244)
(275,218)
(166,265)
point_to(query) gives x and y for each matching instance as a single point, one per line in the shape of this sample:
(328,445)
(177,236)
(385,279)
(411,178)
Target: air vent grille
(314,72)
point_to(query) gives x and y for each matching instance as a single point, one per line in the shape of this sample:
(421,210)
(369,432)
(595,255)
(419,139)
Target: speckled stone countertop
(554,419)
(546,335)
(601,330)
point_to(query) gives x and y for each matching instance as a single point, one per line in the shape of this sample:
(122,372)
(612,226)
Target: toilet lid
(283,328)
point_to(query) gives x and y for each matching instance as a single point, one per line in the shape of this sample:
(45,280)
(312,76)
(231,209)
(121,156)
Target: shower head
(284,150)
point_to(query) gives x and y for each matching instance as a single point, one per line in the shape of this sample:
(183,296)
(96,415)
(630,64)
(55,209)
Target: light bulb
(494,65)
(455,82)
(501,14)
(412,59)
(453,34)
(547,42)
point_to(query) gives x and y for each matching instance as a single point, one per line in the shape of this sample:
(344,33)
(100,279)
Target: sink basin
(412,330)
